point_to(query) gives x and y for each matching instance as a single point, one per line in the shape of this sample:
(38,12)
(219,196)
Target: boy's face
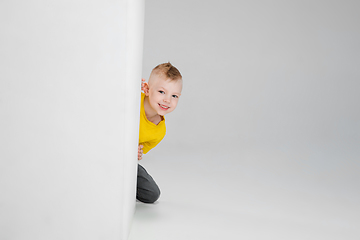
(163,94)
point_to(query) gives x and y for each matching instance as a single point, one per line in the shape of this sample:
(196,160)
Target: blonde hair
(167,70)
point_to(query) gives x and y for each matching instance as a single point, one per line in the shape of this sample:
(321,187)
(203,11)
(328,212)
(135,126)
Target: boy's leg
(147,189)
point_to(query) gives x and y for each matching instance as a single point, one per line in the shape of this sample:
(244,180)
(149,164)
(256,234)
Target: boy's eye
(175,96)
(161,92)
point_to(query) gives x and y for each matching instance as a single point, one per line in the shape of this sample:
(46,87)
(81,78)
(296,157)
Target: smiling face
(162,95)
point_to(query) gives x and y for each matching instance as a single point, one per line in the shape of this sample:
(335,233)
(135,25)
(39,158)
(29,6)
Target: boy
(160,97)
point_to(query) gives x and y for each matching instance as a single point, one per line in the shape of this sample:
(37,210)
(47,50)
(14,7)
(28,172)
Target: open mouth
(163,107)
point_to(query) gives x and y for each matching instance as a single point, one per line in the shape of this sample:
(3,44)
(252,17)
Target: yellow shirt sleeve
(150,134)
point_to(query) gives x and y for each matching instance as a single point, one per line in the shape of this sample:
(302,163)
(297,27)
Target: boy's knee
(147,189)
(151,196)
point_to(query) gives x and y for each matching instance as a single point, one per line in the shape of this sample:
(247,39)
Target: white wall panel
(69,110)
(134,52)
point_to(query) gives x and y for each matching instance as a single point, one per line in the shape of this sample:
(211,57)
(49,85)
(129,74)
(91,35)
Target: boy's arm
(140,152)
(143,84)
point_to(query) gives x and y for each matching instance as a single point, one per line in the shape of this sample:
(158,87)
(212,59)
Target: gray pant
(147,189)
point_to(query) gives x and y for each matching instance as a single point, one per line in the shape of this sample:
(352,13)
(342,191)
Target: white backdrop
(264,141)
(69,108)
(262,74)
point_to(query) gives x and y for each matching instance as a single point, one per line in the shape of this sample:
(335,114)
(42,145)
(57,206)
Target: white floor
(219,193)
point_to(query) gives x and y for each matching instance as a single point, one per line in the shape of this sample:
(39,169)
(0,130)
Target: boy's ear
(145,88)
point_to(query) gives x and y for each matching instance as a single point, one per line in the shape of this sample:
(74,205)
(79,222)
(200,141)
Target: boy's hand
(142,84)
(140,152)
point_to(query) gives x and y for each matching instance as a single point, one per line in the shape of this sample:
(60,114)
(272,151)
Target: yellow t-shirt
(149,133)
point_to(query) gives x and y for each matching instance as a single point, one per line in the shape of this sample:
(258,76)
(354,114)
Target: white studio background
(270,88)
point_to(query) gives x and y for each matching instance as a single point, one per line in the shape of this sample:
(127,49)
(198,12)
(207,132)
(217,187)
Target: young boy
(160,97)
